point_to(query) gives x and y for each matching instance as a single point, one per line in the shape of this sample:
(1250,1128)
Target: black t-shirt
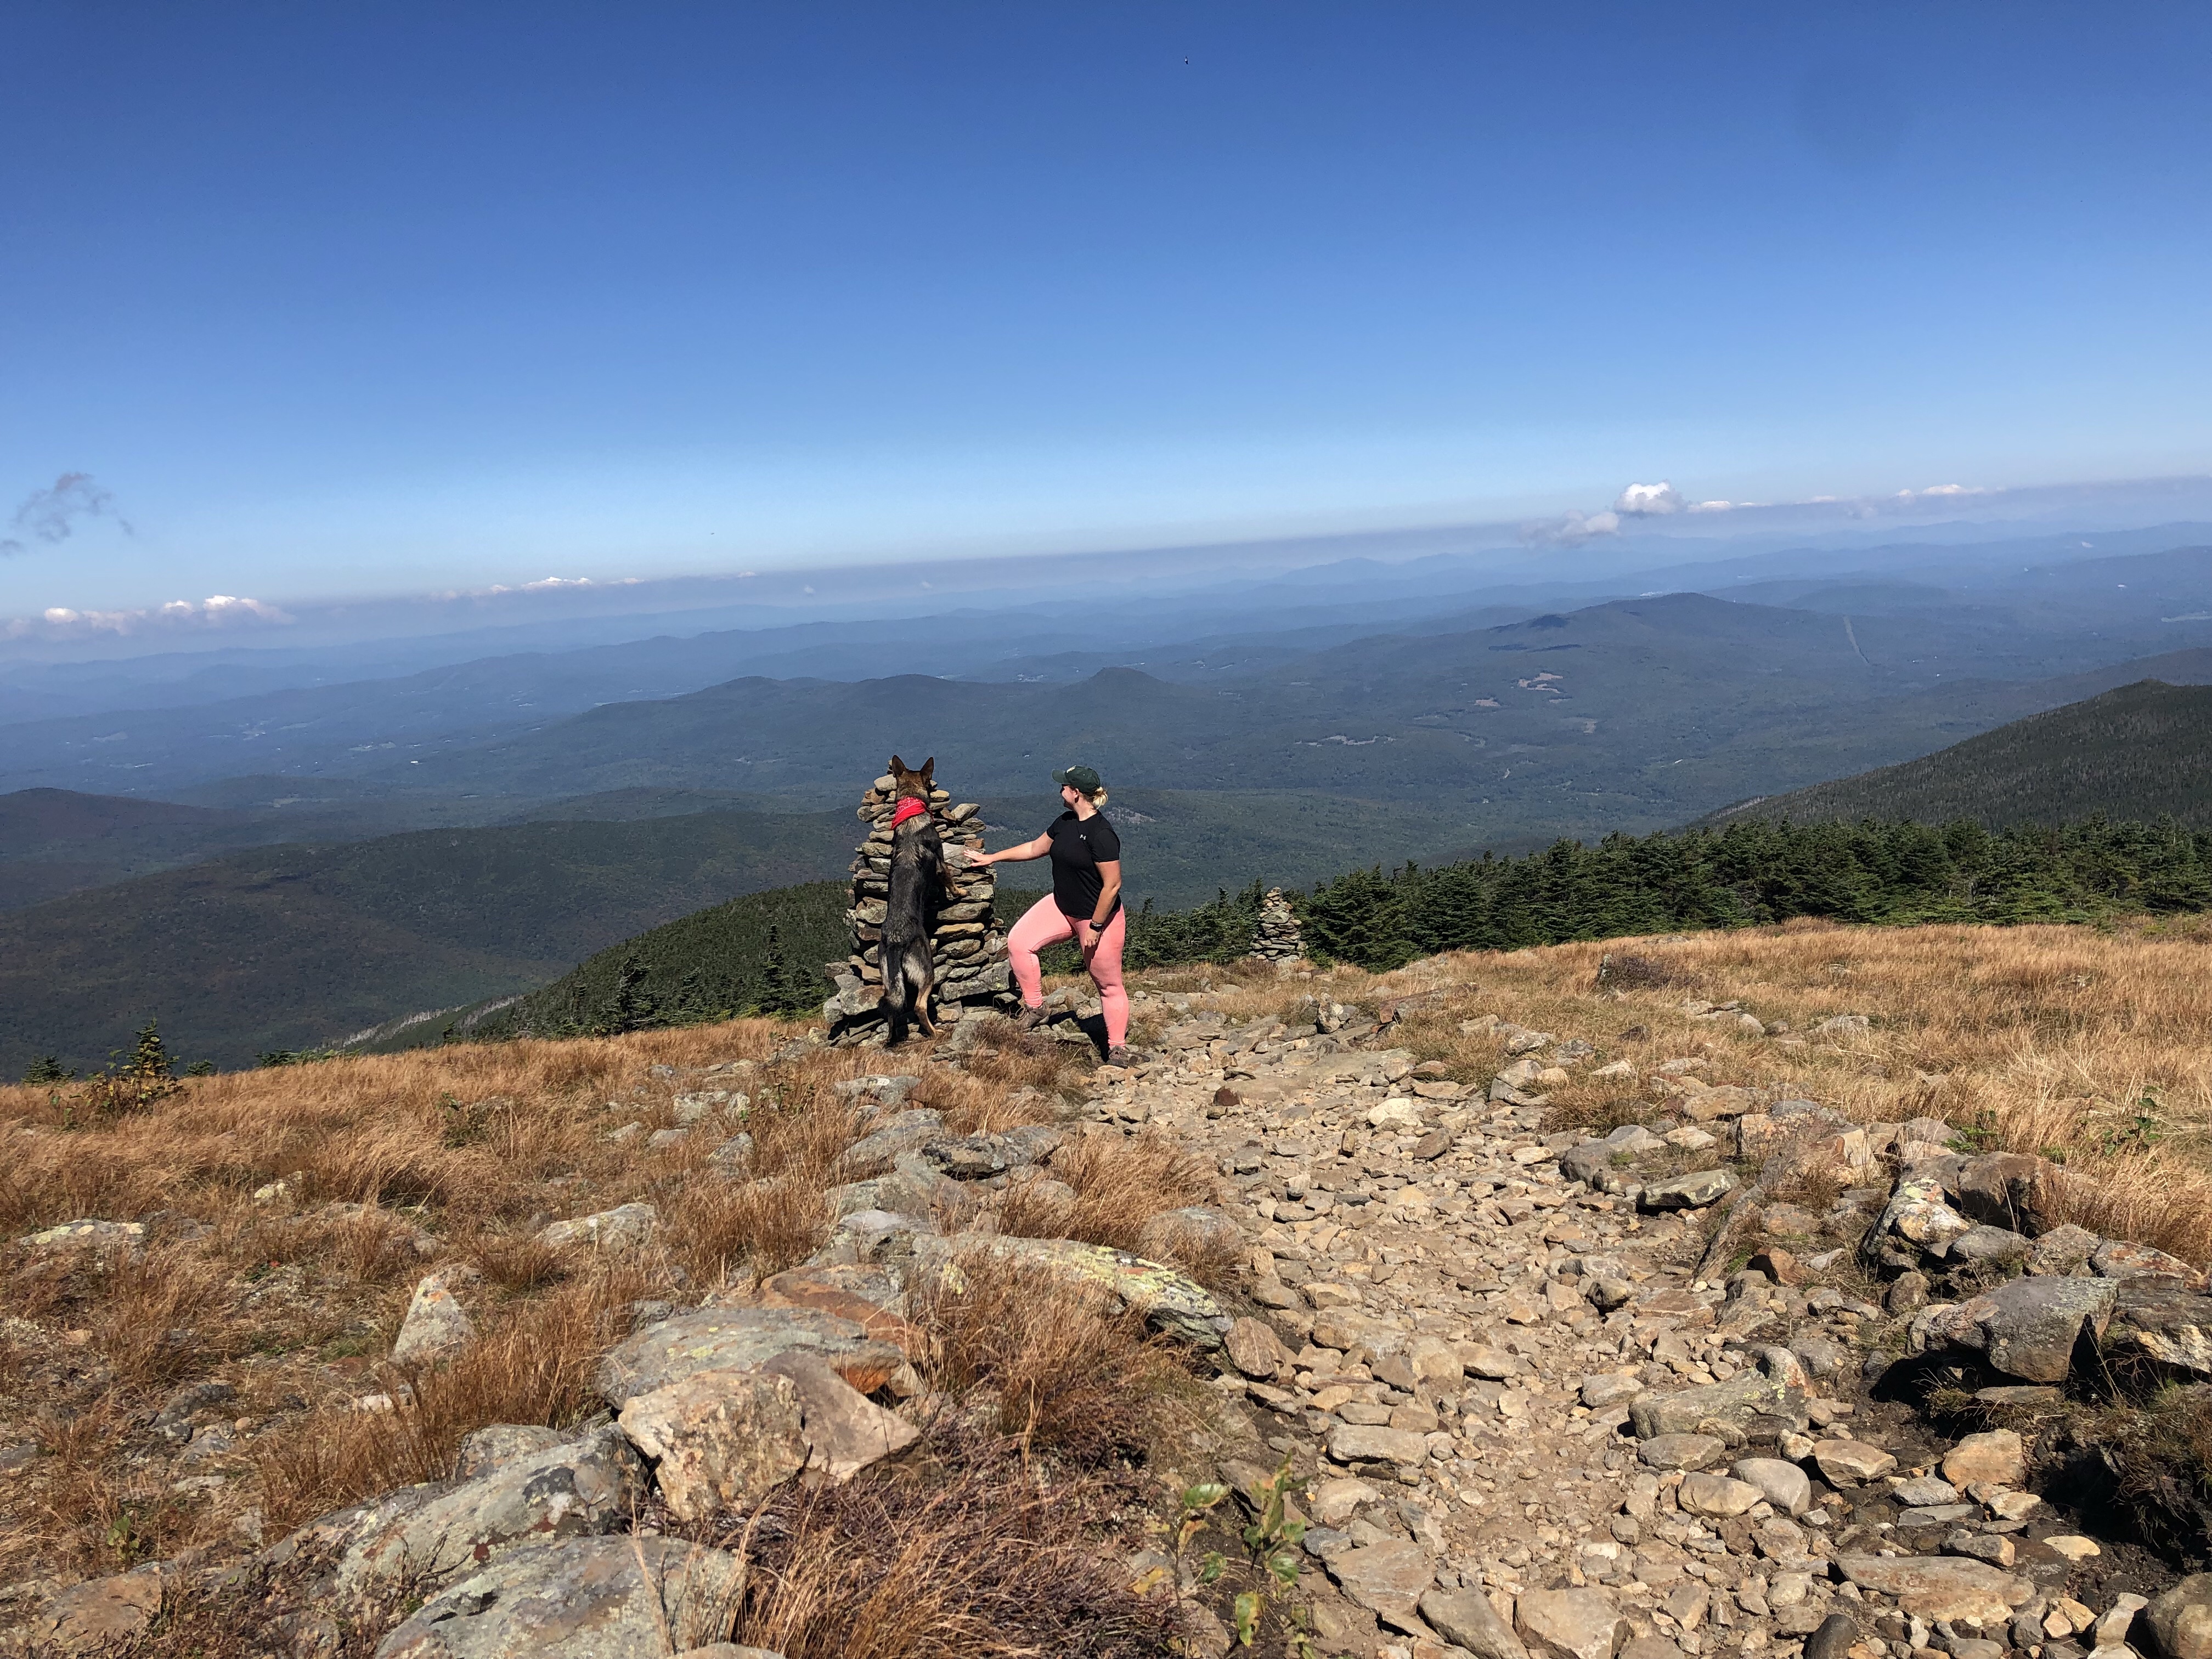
(1080,846)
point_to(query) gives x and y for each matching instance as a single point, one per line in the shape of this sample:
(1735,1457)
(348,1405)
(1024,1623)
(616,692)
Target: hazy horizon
(319,309)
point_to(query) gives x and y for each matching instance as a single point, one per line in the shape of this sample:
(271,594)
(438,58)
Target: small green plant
(1979,1136)
(48,1068)
(1272,1542)
(201,1068)
(135,1083)
(2142,1132)
(126,1538)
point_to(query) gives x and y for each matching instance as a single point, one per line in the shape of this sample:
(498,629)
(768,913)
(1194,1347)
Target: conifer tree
(628,1008)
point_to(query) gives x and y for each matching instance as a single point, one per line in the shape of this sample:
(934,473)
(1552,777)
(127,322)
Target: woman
(1084,905)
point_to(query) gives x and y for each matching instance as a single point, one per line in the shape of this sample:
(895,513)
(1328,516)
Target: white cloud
(1642,500)
(1940,489)
(61,622)
(1719,506)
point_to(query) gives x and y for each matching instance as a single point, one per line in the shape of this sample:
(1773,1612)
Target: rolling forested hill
(296,947)
(2140,751)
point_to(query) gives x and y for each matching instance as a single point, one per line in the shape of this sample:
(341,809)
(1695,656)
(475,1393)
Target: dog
(918,882)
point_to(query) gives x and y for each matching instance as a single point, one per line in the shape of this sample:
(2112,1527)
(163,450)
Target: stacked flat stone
(968,950)
(1277,937)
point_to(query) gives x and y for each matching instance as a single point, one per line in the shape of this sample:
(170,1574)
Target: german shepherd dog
(917,885)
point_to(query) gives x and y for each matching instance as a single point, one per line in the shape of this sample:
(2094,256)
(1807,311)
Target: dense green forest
(760,953)
(1759,872)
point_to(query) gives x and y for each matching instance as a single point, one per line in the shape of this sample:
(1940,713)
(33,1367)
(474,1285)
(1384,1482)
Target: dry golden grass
(1070,1371)
(984,1562)
(295,1298)
(2082,1044)
(533,1366)
(1121,1184)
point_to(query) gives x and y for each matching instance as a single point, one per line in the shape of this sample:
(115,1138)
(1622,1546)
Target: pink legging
(1043,925)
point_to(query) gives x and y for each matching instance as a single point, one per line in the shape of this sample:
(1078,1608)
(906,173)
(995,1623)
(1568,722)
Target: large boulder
(1365,1443)
(623,1228)
(719,1439)
(1940,1587)
(907,1131)
(2180,1620)
(2164,1320)
(2063,1249)
(1689,1192)
(88,1617)
(582,1598)
(1388,1579)
(1465,1618)
(421,1535)
(741,1339)
(1784,1484)
(872,1298)
(1996,1458)
(1169,1301)
(2026,1327)
(1734,1401)
(2117,1258)
(437,1327)
(1255,1349)
(485,1450)
(1571,1623)
(1999,1189)
(845,1431)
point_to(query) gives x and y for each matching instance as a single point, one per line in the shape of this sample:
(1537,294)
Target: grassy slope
(2135,752)
(296,946)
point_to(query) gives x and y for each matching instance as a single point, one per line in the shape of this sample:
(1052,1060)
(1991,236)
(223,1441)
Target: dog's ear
(928,767)
(898,767)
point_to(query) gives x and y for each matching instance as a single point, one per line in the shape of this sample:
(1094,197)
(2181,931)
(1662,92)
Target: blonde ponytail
(1099,799)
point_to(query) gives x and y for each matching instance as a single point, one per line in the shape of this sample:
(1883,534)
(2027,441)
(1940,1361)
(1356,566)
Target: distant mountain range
(282,868)
(2138,752)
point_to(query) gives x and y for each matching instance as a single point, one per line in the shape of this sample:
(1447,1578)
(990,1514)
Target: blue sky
(382,298)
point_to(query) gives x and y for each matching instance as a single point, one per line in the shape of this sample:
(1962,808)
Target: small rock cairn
(966,947)
(1277,937)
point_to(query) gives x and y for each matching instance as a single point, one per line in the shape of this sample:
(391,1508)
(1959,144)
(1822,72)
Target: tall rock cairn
(969,952)
(1276,937)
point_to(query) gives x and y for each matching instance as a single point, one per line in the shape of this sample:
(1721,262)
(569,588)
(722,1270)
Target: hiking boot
(1031,1018)
(1119,1055)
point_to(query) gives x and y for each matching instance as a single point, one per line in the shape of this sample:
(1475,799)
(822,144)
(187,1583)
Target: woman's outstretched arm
(1036,849)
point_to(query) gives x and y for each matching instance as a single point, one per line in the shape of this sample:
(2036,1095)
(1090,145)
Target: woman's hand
(1087,935)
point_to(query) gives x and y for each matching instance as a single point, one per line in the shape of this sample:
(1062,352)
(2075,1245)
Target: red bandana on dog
(908,807)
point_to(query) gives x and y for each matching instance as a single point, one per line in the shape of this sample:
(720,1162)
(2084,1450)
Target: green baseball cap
(1077,777)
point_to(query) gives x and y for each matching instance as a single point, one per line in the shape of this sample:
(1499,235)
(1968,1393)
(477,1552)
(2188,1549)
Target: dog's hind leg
(894,998)
(921,977)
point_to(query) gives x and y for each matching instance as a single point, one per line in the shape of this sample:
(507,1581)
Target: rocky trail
(1739,1375)
(1527,1423)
